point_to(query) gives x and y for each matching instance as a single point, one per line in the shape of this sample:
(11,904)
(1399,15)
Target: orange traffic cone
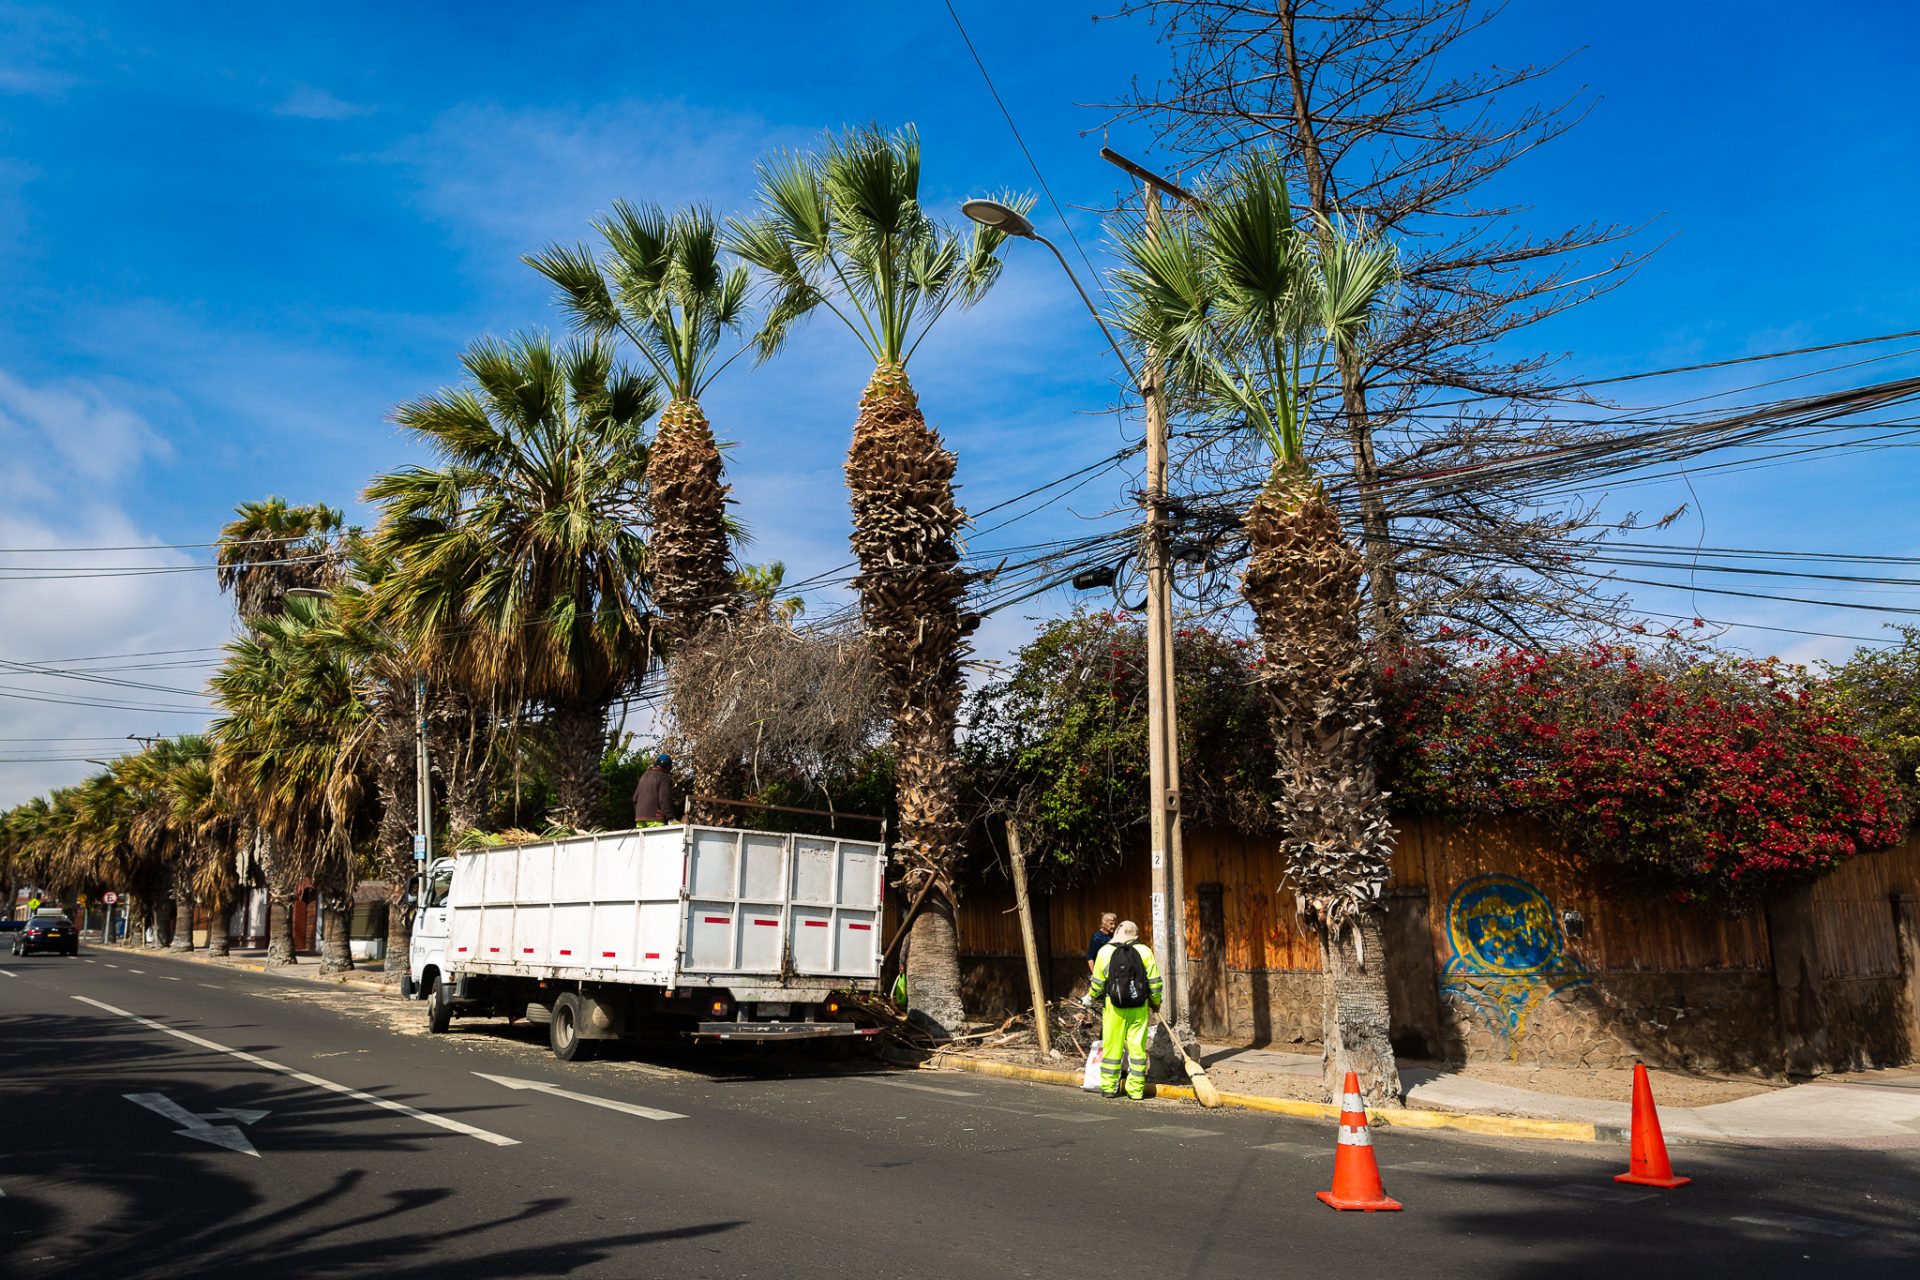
(1648,1166)
(1356,1176)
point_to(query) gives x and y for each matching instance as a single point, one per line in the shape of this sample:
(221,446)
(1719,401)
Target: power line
(1031,162)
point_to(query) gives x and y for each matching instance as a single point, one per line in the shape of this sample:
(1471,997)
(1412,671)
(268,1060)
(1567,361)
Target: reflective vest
(1154,990)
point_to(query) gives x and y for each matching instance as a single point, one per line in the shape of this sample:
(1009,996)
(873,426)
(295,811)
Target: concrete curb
(1402,1117)
(352,977)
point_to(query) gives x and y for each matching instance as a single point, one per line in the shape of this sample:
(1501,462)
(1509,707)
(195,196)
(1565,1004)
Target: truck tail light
(719,1008)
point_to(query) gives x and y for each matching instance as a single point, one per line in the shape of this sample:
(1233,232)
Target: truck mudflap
(780,1030)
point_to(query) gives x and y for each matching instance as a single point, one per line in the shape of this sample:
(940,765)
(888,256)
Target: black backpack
(1126,977)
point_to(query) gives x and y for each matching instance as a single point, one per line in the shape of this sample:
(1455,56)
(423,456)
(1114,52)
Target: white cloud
(69,449)
(520,178)
(70,431)
(309,103)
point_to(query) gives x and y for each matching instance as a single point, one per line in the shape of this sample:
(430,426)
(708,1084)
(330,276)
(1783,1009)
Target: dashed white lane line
(141,972)
(426,1117)
(211,986)
(9,973)
(113,966)
(1794,1222)
(1179,1131)
(1605,1195)
(168,978)
(921,1088)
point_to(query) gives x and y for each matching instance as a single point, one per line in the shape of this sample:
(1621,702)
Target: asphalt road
(385,1152)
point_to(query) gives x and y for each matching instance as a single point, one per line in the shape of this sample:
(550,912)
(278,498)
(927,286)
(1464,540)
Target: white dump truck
(708,931)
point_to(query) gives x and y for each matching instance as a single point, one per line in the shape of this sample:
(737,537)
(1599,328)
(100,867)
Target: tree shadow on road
(98,1186)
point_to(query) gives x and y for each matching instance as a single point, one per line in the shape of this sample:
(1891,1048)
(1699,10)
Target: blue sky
(233,236)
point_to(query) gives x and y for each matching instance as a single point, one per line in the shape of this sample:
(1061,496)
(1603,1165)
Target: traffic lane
(101,1184)
(790,1153)
(1166,1185)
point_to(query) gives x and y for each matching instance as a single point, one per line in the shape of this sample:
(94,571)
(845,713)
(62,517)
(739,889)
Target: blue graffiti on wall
(1506,953)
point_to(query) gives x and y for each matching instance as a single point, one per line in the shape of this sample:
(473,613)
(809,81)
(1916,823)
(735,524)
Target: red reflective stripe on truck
(493,948)
(566,953)
(814,924)
(606,955)
(653,955)
(526,951)
(859,926)
(775,922)
(463,948)
(717,919)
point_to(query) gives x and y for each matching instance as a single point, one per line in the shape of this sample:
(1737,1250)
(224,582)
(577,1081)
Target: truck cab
(427,947)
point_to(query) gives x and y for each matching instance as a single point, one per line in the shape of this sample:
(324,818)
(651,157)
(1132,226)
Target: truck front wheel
(439,1006)
(564,1028)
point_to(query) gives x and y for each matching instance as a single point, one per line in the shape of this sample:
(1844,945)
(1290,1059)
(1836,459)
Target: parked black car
(47,933)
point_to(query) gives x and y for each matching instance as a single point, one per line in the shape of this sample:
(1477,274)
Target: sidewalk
(306,966)
(1873,1109)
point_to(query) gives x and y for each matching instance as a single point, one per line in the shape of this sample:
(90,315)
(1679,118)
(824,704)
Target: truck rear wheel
(439,1007)
(564,1029)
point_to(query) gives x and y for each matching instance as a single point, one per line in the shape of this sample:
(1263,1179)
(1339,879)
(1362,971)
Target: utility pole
(1163,737)
(422,776)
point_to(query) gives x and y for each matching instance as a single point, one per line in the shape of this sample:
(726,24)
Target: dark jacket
(653,797)
(1100,939)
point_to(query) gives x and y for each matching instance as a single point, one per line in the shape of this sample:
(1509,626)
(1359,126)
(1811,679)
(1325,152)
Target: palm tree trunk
(219,910)
(280,929)
(1303,583)
(182,913)
(933,967)
(399,928)
(333,895)
(458,742)
(905,522)
(579,745)
(691,579)
(282,882)
(394,774)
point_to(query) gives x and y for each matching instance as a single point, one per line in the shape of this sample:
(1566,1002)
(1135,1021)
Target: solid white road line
(303,1077)
(629,1108)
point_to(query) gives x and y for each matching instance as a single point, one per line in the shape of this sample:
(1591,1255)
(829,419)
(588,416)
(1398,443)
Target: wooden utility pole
(1163,738)
(1019,860)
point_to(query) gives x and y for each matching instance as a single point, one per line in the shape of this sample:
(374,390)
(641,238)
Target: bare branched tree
(1378,120)
(775,701)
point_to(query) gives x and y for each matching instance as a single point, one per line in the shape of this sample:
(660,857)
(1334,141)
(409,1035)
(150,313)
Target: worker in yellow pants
(1127,989)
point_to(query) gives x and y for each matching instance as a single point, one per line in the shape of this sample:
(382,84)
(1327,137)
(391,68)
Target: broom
(1196,1074)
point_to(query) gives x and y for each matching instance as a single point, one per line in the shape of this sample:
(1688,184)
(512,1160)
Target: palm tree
(287,745)
(1251,312)
(843,231)
(268,549)
(664,285)
(524,543)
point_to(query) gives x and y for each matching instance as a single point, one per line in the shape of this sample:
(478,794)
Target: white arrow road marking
(425,1117)
(193,1126)
(632,1109)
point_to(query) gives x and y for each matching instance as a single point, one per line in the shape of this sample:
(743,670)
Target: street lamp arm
(1094,311)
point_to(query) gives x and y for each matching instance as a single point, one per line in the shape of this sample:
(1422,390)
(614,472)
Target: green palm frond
(843,230)
(1249,309)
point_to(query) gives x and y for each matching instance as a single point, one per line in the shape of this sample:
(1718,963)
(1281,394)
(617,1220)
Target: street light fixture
(996,216)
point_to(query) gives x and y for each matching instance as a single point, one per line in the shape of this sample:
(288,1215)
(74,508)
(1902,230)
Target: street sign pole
(422,776)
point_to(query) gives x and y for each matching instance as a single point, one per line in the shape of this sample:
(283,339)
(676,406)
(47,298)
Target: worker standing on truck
(1126,986)
(653,796)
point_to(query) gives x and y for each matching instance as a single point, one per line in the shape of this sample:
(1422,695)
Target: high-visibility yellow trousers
(1123,1042)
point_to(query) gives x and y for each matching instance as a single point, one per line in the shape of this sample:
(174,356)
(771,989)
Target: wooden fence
(1622,926)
